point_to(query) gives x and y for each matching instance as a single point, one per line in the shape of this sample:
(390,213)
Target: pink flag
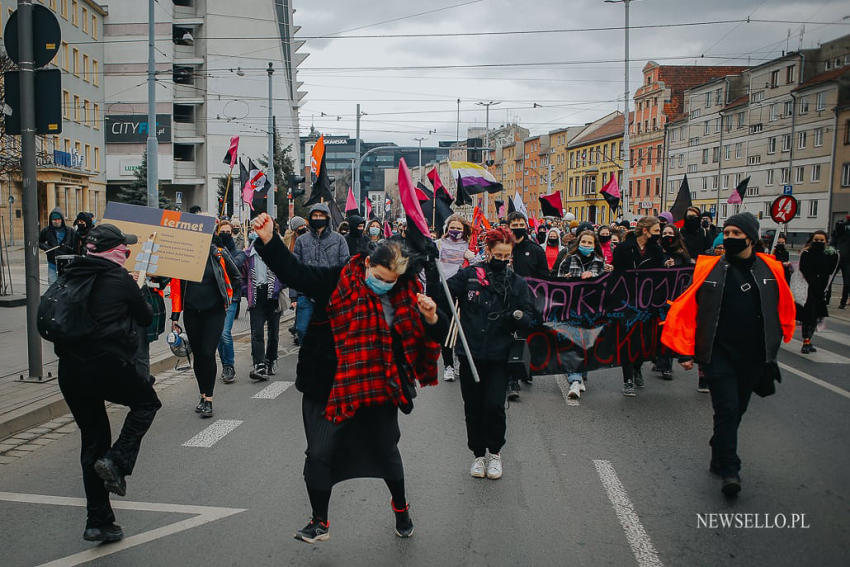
(734,198)
(351,202)
(408,198)
(388,232)
(232,150)
(368,208)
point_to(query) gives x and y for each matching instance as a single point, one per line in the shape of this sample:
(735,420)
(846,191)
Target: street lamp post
(152,144)
(420,156)
(626,160)
(272,205)
(487,106)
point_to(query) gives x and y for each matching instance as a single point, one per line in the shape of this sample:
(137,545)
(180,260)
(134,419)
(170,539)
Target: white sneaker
(478,467)
(494,467)
(582,386)
(449,374)
(575,391)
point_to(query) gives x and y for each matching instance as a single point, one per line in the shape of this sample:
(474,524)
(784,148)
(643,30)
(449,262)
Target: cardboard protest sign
(180,248)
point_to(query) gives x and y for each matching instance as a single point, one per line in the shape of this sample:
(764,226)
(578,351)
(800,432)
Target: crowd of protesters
(372,321)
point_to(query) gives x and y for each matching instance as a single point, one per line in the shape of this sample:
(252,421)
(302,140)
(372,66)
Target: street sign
(48,101)
(178,197)
(783,209)
(787,189)
(46,36)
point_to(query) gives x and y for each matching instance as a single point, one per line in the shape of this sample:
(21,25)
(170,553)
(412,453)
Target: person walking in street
(841,242)
(641,250)
(224,239)
(675,256)
(605,234)
(731,320)
(262,289)
(319,246)
(56,239)
(818,265)
(82,225)
(585,261)
(494,303)
(373,334)
(101,367)
(454,253)
(781,254)
(357,242)
(694,235)
(204,306)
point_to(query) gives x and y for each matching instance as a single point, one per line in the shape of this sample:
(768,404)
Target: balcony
(184,8)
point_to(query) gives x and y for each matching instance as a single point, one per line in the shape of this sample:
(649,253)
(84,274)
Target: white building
(212,83)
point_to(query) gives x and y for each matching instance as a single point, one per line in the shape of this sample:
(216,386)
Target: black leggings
(448,356)
(484,404)
(320,499)
(204,331)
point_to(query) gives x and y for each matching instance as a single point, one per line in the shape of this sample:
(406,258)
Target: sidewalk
(26,404)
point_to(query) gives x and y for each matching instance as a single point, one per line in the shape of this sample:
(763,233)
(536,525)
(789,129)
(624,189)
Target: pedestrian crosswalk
(822,355)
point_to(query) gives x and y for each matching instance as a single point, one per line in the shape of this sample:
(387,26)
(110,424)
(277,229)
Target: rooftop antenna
(787,39)
(802,33)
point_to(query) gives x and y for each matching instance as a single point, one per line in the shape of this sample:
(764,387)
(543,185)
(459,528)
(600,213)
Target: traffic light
(293,182)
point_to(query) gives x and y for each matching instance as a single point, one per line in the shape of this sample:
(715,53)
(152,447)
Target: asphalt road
(611,481)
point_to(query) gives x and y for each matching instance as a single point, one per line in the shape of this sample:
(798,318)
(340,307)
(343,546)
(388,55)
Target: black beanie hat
(747,222)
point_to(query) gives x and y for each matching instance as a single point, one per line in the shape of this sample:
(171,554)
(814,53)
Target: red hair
(500,235)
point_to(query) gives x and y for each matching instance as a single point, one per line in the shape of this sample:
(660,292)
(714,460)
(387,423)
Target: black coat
(696,239)
(486,317)
(530,259)
(116,305)
(48,240)
(841,240)
(316,368)
(817,268)
(627,255)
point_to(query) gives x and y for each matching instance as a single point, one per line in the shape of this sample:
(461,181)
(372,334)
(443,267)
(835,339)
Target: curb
(54,406)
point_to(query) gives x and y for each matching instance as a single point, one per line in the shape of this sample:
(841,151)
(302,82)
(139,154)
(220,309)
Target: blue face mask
(374,230)
(378,286)
(586,250)
(252,236)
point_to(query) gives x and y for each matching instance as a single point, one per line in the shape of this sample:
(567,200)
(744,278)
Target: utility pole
(153,146)
(272,205)
(487,106)
(626,156)
(30,186)
(357,156)
(457,129)
(420,156)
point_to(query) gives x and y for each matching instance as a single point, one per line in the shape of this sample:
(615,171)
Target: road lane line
(273,390)
(636,535)
(213,434)
(814,380)
(564,385)
(205,514)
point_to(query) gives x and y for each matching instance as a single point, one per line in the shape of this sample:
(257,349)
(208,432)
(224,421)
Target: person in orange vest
(204,305)
(731,320)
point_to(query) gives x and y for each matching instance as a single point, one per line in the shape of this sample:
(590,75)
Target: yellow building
(593,156)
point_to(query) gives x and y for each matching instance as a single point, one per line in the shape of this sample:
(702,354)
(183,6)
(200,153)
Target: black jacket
(817,268)
(530,259)
(48,240)
(627,255)
(487,317)
(317,357)
(711,300)
(696,238)
(841,240)
(116,305)
(357,243)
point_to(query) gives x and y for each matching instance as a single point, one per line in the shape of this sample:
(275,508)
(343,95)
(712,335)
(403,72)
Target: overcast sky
(404,104)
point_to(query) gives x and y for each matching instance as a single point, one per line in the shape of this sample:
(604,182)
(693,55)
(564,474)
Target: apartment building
(70,165)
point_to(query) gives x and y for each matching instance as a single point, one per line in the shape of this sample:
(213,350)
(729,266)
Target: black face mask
(520,233)
(692,222)
(316,224)
(734,246)
(227,240)
(343,232)
(301,231)
(498,265)
(706,223)
(552,242)
(780,247)
(604,238)
(653,239)
(668,241)
(817,246)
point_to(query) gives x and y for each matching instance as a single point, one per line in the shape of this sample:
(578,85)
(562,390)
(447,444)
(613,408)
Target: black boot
(113,479)
(403,523)
(107,533)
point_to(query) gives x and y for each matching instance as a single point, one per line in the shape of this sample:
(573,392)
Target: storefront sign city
(133,128)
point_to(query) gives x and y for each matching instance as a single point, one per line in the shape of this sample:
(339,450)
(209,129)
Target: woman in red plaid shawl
(371,335)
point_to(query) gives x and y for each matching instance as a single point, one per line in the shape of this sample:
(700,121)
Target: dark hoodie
(81,233)
(115,304)
(358,243)
(57,241)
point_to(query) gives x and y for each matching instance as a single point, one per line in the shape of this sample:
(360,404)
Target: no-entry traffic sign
(783,209)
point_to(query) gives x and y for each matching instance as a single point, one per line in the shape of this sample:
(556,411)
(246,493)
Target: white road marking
(204,515)
(564,385)
(815,380)
(214,433)
(636,535)
(273,390)
(823,356)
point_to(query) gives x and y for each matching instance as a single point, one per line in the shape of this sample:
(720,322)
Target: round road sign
(783,209)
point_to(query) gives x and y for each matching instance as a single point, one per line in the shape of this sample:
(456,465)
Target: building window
(774,79)
(87,112)
(706,128)
(813,208)
(65,58)
(816,173)
(804,105)
(87,155)
(785,175)
(773,115)
(95,73)
(786,142)
(789,74)
(845,175)
(800,174)
(717,122)
(66,105)
(692,168)
(86,76)
(85,18)
(94,31)
(740,119)
(63,8)
(818,137)
(704,183)
(705,156)
(739,150)
(96,159)
(718,94)
(801,139)
(75,61)
(820,101)
(769,177)
(681,160)
(76,108)
(787,108)
(727,152)
(75,19)
(707,99)
(771,145)
(96,116)
(657,186)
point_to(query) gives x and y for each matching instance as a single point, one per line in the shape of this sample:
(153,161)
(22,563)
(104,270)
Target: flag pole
(456,317)
(226,191)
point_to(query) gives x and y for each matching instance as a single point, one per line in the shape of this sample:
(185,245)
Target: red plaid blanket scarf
(366,374)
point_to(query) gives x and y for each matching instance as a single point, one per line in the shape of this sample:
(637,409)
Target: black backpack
(63,313)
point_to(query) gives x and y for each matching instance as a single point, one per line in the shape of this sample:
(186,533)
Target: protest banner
(180,248)
(606,321)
